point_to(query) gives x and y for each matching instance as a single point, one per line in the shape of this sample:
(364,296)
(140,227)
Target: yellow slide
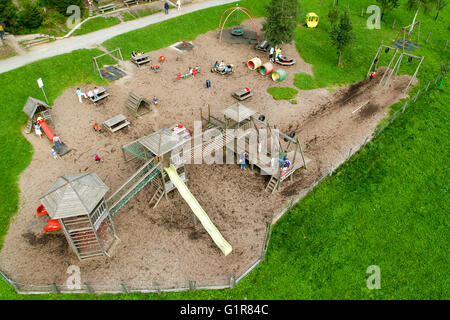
(198,210)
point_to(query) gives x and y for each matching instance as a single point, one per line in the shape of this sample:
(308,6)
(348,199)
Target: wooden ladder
(157,197)
(273,184)
(29,126)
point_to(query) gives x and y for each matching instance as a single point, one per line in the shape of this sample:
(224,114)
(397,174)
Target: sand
(161,246)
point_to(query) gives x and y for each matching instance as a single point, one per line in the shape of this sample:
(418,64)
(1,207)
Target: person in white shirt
(179,5)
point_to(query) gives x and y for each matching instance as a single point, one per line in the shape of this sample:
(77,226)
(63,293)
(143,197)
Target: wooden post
(232,281)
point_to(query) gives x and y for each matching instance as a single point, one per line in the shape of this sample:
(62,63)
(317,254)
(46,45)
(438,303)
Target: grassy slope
(96,24)
(358,57)
(386,207)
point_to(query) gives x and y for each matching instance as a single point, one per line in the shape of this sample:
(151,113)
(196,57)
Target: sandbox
(161,247)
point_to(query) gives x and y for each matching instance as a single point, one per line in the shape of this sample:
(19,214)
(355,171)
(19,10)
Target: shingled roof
(31,106)
(74,195)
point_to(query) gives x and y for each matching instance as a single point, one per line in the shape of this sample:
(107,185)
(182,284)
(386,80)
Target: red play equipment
(162,59)
(44,126)
(246,11)
(52,225)
(41,210)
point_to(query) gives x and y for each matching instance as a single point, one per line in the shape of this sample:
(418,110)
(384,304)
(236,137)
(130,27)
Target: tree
(333,15)
(416,5)
(31,15)
(62,5)
(342,35)
(387,5)
(281,22)
(8,13)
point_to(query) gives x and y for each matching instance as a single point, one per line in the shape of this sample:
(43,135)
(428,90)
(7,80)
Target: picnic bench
(107,7)
(116,123)
(242,94)
(102,94)
(140,59)
(130,2)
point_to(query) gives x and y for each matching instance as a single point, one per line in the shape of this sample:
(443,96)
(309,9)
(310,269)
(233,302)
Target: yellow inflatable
(312,20)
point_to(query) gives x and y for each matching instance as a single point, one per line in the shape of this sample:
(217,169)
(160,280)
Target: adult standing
(166,7)
(179,5)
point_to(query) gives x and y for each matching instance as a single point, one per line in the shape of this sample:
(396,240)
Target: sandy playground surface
(161,246)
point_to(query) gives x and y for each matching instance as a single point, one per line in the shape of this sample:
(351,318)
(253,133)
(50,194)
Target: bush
(31,16)
(62,5)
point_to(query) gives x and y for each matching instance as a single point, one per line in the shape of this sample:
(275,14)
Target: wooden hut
(137,104)
(35,108)
(77,202)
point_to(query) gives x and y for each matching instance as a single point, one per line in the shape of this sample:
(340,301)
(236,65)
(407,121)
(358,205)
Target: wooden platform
(140,59)
(116,123)
(102,94)
(242,94)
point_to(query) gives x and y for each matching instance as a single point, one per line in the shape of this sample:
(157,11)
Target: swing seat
(41,211)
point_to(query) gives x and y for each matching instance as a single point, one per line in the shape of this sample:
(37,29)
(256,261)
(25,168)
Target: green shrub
(31,16)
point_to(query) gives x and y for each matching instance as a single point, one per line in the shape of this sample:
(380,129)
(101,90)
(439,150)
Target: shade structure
(74,195)
(238,112)
(279,75)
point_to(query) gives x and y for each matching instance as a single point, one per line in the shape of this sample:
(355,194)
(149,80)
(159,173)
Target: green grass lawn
(387,206)
(316,49)
(96,24)
(282,93)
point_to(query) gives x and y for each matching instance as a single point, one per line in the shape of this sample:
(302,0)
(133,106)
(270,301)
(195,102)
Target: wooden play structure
(78,205)
(236,30)
(140,59)
(116,123)
(394,71)
(35,108)
(242,94)
(247,121)
(312,20)
(137,104)
(157,147)
(376,59)
(110,73)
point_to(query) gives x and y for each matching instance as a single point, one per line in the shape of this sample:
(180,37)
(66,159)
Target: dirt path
(161,246)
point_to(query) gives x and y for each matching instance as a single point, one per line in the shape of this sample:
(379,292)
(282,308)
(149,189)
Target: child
(79,93)
(57,142)
(54,154)
(97,158)
(97,128)
(272,49)
(37,129)
(95,92)
(155,100)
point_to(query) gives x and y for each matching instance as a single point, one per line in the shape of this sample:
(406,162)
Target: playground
(161,246)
